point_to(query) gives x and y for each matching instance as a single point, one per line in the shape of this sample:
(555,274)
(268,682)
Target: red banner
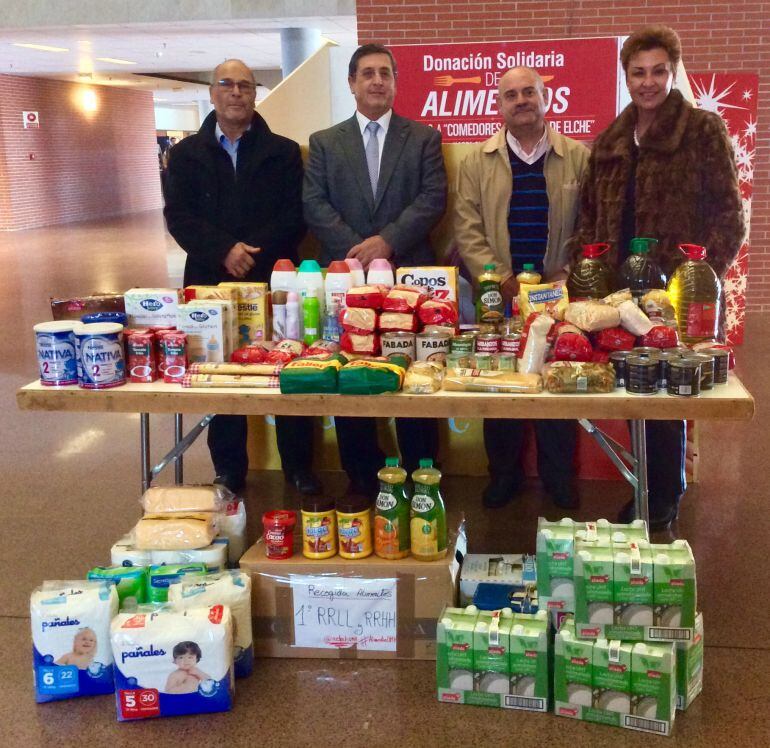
(453,87)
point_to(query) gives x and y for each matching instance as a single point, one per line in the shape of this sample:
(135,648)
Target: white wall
(177,118)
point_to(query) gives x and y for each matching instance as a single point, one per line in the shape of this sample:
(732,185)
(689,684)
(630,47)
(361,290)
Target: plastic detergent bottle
(293,331)
(356,272)
(640,272)
(695,292)
(283,277)
(591,277)
(309,276)
(337,282)
(311,317)
(391,513)
(381,272)
(529,275)
(489,303)
(428,524)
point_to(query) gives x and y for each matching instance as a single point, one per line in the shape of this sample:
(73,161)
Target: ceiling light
(116,61)
(41,47)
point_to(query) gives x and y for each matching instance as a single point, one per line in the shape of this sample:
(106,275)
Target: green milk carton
(593,588)
(491,648)
(689,667)
(632,589)
(636,530)
(529,662)
(611,676)
(675,594)
(653,688)
(594,532)
(573,676)
(454,653)
(555,551)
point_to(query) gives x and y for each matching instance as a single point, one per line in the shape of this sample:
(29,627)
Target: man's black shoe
(661,514)
(233,482)
(499,491)
(563,496)
(305,482)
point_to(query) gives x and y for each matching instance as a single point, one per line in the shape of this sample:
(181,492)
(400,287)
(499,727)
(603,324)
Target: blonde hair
(652,37)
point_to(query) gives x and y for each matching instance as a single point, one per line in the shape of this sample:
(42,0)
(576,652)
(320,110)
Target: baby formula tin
(57,353)
(101,355)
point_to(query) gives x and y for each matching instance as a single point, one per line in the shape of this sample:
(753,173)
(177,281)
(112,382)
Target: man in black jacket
(234,204)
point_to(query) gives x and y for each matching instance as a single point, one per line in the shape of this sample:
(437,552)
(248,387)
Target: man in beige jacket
(517,203)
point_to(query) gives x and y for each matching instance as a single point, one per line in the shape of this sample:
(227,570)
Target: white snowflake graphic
(747,95)
(712,100)
(751,130)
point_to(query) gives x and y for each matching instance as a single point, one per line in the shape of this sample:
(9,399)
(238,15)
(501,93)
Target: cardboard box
(443,281)
(422,590)
(505,569)
(151,307)
(253,310)
(206,329)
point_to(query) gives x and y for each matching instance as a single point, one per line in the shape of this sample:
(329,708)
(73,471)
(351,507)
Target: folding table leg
(144,446)
(639,447)
(178,435)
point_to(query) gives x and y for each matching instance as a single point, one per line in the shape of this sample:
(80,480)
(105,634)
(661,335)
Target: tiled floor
(71,488)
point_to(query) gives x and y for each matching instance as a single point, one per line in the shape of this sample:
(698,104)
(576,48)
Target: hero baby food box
(151,307)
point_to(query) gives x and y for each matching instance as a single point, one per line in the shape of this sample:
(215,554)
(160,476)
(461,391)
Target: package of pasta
(482,380)
(173,499)
(592,316)
(660,336)
(572,346)
(423,378)
(398,322)
(311,375)
(175,531)
(545,298)
(634,319)
(563,377)
(262,370)
(657,305)
(322,348)
(366,297)
(533,347)
(370,377)
(403,298)
(350,342)
(615,339)
(285,351)
(601,357)
(229,380)
(358,320)
(249,354)
(438,312)
(617,298)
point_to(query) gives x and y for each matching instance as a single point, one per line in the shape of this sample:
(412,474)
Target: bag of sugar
(71,638)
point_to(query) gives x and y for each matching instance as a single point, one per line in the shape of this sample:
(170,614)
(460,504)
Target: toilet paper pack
(170,662)
(231,588)
(529,655)
(689,667)
(125,553)
(71,638)
(214,556)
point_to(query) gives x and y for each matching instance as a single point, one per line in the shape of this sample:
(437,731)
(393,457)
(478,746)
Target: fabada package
(169,662)
(152,307)
(614,683)
(231,588)
(71,639)
(253,311)
(206,329)
(442,281)
(689,667)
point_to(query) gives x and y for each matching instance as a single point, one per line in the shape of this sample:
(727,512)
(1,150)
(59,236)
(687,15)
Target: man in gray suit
(375,185)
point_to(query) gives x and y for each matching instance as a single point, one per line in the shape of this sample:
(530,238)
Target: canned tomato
(102,360)
(510,343)
(488,343)
(398,342)
(57,352)
(432,346)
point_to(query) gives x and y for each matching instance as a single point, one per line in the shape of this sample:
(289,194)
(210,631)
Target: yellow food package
(253,312)
(547,298)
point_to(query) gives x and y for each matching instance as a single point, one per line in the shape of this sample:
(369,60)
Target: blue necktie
(373,155)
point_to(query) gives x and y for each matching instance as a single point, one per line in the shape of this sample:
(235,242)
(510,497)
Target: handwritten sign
(340,612)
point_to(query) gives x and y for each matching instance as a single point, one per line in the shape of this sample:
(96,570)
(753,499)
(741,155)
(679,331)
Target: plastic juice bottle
(529,275)
(696,293)
(311,317)
(391,513)
(490,307)
(428,523)
(640,272)
(591,277)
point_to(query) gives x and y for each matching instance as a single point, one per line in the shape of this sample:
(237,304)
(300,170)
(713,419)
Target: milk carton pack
(152,307)
(491,646)
(71,639)
(555,570)
(689,667)
(633,589)
(441,281)
(653,687)
(674,597)
(253,311)
(228,312)
(231,588)
(206,329)
(593,587)
(169,662)
(529,655)
(503,569)
(454,654)
(573,672)
(611,676)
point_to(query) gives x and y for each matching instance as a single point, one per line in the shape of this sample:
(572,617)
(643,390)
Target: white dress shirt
(528,158)
(383,122)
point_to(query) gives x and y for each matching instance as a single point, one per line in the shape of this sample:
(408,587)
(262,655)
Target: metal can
(510,343)
(706,369)
(463,343)
(618,361)
(663,360)
(506,362)
(646,352)
(57,352)
(102,357)
(398,342)
(488,343)
(488,328)
(482,361)
(432,346)
(642,375)
(683,377)
(458,360)
(721,358)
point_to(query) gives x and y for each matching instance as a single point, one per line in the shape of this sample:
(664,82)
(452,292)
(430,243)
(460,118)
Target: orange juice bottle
(428,524)
(391,513)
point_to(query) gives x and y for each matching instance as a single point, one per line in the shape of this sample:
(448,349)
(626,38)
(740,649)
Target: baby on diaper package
(231,588)
(173,662)
(71,638)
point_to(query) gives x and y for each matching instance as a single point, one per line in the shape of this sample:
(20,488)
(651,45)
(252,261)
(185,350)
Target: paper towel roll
(123,553)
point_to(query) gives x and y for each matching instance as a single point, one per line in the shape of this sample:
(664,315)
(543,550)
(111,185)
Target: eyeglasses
(228,84)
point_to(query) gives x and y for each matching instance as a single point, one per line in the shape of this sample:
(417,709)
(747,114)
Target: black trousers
(227,443)
(556,443)
(666,448)
(361,456)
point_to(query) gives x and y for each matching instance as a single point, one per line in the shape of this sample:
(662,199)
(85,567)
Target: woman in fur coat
(666,170)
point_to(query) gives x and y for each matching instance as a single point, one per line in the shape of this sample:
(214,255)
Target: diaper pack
(71,638)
